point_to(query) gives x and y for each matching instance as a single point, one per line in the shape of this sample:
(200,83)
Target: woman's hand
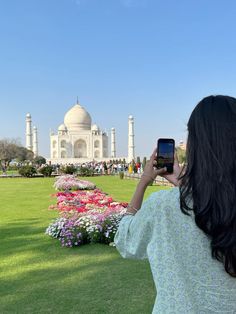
(149,175)
(150,171)
(173,178)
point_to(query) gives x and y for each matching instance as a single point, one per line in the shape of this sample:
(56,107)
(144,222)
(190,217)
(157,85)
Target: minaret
(35,141)
(131,154)
(113,143)
(28,134)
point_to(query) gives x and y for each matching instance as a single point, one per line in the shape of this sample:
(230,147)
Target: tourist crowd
(105,167)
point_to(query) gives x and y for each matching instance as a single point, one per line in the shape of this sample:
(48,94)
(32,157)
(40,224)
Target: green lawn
(38,276)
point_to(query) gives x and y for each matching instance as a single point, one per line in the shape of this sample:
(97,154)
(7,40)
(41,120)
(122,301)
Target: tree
(39,160)
(10,150)
(181,154)
(23,154)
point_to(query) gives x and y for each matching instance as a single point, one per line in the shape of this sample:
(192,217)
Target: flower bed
(83,201)
(85,217)
(69,182)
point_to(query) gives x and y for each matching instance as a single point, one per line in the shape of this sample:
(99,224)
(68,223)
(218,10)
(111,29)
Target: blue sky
(149,58)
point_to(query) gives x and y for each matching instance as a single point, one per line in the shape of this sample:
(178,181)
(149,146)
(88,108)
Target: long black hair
(209,179)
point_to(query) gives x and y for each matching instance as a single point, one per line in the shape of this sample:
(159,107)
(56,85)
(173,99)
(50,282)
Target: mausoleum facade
(77,137)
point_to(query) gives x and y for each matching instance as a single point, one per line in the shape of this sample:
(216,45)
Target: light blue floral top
(186,277)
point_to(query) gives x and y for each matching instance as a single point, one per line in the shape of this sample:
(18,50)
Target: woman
(188,233)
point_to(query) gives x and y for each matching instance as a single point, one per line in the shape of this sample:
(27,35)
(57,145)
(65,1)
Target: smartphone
(166,153)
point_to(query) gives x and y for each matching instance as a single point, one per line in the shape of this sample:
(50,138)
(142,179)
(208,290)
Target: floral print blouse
(187,279)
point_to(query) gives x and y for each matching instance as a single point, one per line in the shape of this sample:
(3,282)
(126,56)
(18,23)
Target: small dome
(28,115)
(77,118)
(62,127)
(131,117)
(95,128)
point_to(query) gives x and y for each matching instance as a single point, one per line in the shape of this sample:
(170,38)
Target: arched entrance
(96,144)
(63,144)
(63,154)
(80,149)
(96,154)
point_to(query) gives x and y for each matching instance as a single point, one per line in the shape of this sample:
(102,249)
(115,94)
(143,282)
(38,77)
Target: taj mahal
(77,140)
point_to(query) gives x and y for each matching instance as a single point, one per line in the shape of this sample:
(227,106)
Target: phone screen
(165,154)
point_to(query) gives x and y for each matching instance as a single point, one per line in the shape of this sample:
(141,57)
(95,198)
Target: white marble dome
(62,127)
(95,128)
(77,118)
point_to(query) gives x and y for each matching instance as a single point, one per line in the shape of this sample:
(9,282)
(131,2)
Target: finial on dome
(77,100)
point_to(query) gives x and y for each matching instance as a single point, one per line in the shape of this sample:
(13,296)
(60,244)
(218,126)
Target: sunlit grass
(38,276)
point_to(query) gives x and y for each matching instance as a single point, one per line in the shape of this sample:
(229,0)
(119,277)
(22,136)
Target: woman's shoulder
(167,192)
(164,213)
(161,202)
(168,197)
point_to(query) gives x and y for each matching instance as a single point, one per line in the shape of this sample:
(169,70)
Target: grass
(120,190)
(39,276)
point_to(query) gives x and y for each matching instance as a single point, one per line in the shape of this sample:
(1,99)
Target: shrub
(121,174)
(85,172)
(27,171)
(46,170)
(69,169)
